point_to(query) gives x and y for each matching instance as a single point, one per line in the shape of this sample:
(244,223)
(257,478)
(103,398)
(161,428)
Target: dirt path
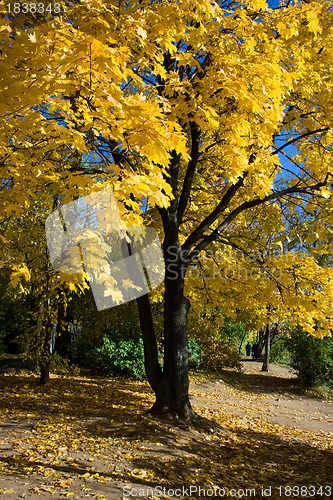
(274,396)
(63,443)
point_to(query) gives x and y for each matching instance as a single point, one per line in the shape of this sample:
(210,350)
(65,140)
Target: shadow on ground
(154,453)
(96,427)
(260,382)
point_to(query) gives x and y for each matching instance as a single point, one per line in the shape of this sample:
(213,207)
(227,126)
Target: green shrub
(194,354)
(125,357)
(311,357)
(219,353)
(280,352)
(218,338)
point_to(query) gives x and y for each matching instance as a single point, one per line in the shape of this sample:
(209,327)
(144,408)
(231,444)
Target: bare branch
(195,136)
(244,206)
(306,134)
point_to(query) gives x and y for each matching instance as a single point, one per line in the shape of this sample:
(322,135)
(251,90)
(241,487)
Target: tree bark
(172,397)
(241,343)
(62,344)
(44,373)
(152,366)
(265,366)
(45,357)
(172,392)
(46,330)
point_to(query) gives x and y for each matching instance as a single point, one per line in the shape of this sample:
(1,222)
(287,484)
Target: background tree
(44,294)
(312,358)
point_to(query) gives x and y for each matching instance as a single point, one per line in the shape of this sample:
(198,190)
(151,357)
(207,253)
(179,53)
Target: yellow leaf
(313,22)
(258,4)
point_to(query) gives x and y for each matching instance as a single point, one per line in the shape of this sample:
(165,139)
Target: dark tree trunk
(170,385)
(172,392)
(46,330)
(44,373)
(152,366)
(45,357)
(265,366)
(241,343)
(62,344)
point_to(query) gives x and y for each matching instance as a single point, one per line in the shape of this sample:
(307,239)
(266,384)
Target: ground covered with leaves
(89,437)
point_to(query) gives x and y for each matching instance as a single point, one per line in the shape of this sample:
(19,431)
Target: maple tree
(187,105)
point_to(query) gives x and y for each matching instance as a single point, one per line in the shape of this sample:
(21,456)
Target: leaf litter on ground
(84,437)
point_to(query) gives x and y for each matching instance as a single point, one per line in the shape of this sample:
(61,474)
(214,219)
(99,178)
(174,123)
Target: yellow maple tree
(190,105)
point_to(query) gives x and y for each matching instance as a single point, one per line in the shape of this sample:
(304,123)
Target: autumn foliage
(218,115)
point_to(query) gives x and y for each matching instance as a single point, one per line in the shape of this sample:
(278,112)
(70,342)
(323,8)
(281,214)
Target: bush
(311,357)
(280,352)
(217,338)
(194,354)
(219,353)
(63,366)
(125,357)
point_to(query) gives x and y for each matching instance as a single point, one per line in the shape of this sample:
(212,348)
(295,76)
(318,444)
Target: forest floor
(88,437)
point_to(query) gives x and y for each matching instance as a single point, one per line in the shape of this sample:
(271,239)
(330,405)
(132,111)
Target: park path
(251,408)
(274,396)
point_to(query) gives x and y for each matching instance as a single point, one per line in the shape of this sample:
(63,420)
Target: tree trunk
(171,386)
(45,357)
(241,343)
(172,396)
(44,373)
(265,366)
(152,366)
(47,330)
(63,337)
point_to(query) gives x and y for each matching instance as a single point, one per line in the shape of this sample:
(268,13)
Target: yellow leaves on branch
(134,80)
(232,280)
(89,67)
(20,274)
(313,21)
(257,4)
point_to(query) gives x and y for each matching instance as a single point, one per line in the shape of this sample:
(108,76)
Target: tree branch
(199,231)
(306,134)
(195,136)
(244,206)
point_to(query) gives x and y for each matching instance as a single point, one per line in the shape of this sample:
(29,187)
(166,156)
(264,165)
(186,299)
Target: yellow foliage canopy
(191,106)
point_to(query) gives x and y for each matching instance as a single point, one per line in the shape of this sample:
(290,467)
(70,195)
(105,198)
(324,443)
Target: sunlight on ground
(81,437)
